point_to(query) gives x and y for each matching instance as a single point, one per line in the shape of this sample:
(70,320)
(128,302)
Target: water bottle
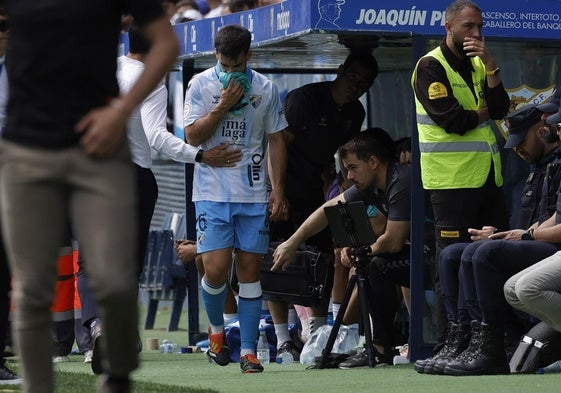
(554,367)
(168,347)
(285,358)
(263,352)
(400,359)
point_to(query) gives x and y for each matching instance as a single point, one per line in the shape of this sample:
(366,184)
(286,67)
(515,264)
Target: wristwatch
(199,156)
(493,72)
(528,235)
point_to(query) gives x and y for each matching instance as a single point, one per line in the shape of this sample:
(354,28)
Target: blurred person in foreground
(7,376)
(65,161)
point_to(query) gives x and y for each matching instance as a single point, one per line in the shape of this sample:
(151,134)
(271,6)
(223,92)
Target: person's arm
(496,97)
(393,239)
(153,117)
(547,231)
(105,128)
(157,62)
(282,257)
(277,174)
(444,109)
(205,126)
(378,224)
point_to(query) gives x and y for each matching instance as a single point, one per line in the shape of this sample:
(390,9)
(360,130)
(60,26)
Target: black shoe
(460,344)
(250,365)
(218,351)
(290,347)
(485,355)
(96,332)
(361,359)
(426,365)
(7,376)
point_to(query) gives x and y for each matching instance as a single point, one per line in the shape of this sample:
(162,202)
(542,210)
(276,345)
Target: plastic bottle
(168,347)
(400,359)
(263,351)
(285,358)
(554,367)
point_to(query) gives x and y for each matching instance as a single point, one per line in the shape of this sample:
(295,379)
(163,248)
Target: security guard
(457,90)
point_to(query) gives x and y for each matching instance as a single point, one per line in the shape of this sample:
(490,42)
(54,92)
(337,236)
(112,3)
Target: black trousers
(485,267)
(455,211)
(385,272)
(454,301)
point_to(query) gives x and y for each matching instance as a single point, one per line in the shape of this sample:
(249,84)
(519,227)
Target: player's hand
(232,94)
(278,206)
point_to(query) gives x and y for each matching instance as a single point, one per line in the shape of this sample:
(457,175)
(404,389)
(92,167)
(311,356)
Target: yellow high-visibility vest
(449,160)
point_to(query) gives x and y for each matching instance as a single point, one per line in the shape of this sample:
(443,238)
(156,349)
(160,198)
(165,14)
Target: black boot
(487,358)
(426,365)
(461,343)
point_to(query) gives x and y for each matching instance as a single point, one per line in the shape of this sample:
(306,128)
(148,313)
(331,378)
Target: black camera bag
(304,282)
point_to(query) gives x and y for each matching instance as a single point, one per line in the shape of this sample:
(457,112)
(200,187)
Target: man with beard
(457,91)
(380,181)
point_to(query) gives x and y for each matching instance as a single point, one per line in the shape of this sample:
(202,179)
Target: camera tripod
(360,278)
(350,227)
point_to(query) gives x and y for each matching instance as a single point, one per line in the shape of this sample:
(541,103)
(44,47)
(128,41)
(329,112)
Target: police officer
(535,144)
(486,265)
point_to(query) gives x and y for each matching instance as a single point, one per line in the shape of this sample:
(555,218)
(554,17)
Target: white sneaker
(61,359)
(88,356)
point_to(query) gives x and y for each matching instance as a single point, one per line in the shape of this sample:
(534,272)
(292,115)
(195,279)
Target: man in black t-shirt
(378,180)
(65,161)
(321,117)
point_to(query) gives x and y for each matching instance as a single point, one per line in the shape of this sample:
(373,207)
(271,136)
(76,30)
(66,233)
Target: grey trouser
(536,290)
(42,192)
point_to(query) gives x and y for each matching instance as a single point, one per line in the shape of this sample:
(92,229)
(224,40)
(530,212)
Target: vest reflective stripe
(425,119)
(451,147)
(452,161)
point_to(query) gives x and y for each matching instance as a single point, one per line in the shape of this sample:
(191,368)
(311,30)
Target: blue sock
(213,299)
(249,314)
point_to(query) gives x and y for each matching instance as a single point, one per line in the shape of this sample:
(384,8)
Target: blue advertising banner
(267,25)
(522,19)
(507,19)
